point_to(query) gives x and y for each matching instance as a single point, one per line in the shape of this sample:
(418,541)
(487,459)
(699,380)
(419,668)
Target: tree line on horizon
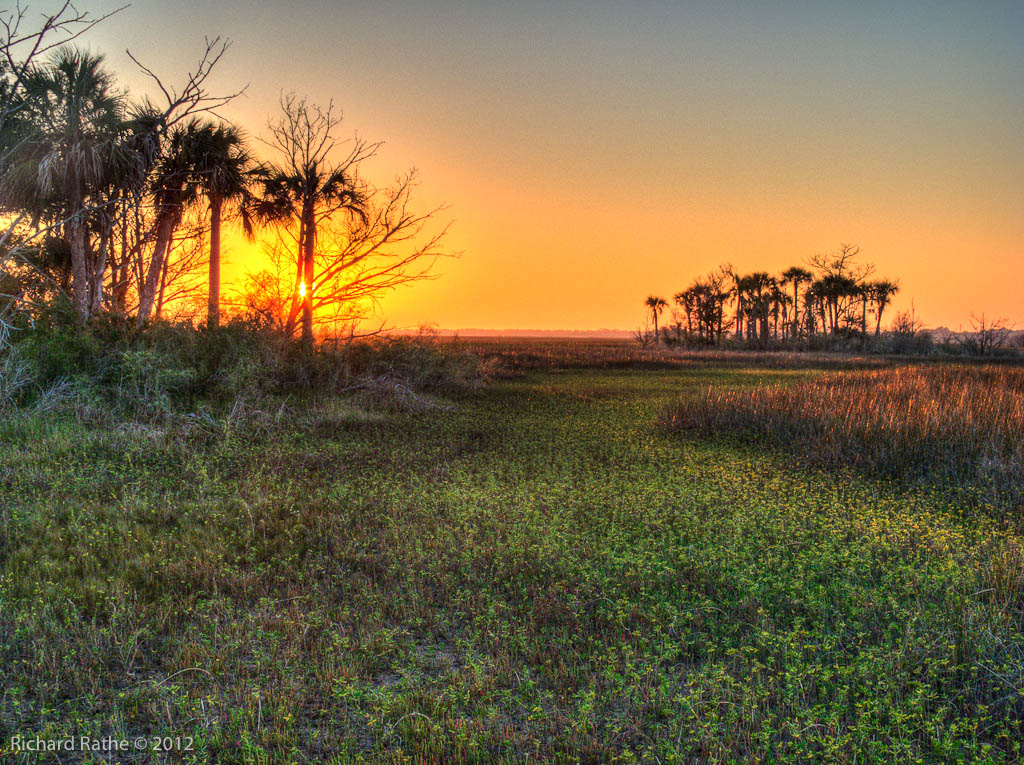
(114,205)
(833,298)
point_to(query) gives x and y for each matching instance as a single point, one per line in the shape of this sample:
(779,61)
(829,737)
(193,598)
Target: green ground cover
(537,571)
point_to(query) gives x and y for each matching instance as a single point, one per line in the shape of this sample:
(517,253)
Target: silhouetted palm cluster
(110,200)
(834,298)
(99,186)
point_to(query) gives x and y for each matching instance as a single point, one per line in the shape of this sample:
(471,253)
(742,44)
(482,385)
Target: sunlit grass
(960,426)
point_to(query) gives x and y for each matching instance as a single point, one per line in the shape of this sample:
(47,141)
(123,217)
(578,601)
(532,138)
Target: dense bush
(174,367)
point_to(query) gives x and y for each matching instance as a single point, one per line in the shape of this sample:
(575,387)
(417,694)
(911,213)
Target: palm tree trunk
(307,263)
(864,324)
(77,237)
(149,286)
(163,287)
(99,270)
(213,301)
(295,306)
(796,308)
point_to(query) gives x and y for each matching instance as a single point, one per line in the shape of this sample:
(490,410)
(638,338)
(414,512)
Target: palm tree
(302,194)
(738,291)
(796,276)
(657,305)
(224,171)
(817,299)
(780,301)
(836,290)
(77,119)
(759,287)
(882,292)
(175,188)
(684,300)
(812,297)
(863,294)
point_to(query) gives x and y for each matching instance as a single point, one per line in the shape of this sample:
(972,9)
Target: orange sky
(591,155)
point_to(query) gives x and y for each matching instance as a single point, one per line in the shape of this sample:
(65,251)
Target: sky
(593,153)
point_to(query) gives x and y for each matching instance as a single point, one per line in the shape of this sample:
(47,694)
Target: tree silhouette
(657,305)
(834,299)
(175,188)
(224,171)
(780,303)
(308,186)
(75,119)
(685,300)
(796,276)
(758,287)
(881,293)
(738,294)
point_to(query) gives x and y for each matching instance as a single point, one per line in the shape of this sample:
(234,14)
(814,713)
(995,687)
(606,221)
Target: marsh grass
(515,355)
(961,426)
(529,574)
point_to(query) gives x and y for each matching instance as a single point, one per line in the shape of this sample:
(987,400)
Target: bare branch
(193,97)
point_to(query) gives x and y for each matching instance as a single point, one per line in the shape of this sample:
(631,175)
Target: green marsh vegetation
(535,570)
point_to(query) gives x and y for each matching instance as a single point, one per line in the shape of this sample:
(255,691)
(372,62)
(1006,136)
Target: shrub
(64,354)
(152,383)
(175,367)
(421,363)
(15,377)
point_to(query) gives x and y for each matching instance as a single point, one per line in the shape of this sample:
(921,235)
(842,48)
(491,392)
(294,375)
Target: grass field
(535,572)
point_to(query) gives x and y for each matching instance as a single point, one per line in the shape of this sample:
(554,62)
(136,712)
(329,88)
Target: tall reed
(959,425)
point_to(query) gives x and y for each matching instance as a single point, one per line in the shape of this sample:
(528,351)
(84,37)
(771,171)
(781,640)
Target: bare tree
(350,242)
(182,279)
(356,259)
(906,323)
(839,277)
(315,181)
(644,335)
(362,258)
(193,97)
(987,337)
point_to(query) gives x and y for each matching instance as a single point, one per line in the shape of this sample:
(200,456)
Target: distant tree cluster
(833,298)
(113,205)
